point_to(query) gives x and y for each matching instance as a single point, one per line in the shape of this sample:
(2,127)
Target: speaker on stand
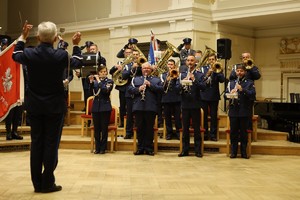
(224,52)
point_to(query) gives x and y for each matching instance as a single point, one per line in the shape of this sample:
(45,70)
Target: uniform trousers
(172,109)
(122,107)
(12,119)
(45,139)
(210,108)
(145,134)
(238,131)
(101,122)
(187,115)
(129,122)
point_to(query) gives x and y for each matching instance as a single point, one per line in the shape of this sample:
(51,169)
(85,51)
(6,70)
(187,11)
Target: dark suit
(252,74)
(45,105)
(210,100)
(239,112)
(101,111)
(145,110)
(190,105)
(127,74)
(171,103)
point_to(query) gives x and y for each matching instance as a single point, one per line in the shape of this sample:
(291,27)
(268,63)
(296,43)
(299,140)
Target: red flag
(11,87)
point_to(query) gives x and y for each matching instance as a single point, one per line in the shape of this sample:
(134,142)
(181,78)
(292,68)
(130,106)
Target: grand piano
(280,117)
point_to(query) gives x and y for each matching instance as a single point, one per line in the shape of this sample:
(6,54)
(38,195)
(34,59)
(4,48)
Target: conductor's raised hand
(26,29)
(76,38)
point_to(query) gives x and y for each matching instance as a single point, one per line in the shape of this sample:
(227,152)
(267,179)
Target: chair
(112,130)
(191,131)
(254,127)
(228,140)
(85,118)
(155,129)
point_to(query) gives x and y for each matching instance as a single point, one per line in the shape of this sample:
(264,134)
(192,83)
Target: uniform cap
(132,41)
(187,41)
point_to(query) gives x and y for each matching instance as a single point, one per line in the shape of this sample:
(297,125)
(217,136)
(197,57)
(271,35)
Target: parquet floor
(121,175)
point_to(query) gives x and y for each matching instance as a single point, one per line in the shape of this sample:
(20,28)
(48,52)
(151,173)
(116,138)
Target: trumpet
(249,63)
(173,74)
(217,67)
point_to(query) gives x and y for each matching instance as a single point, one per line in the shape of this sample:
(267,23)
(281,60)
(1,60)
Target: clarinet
(143,93)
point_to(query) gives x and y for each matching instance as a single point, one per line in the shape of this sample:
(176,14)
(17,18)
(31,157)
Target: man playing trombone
(213,75)
(171,98)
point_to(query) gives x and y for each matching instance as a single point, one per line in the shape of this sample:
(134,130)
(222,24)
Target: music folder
(89,61)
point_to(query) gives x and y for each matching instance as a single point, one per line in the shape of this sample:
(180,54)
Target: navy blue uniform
(240,110)
(190,104)
(145,110)
(122,98)
(45,105)
(171,103)
(210,101)
(252,74)
(127,74)
(101,111)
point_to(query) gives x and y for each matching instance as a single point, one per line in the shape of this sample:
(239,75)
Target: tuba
(205,56)
(162,63)
(117,76)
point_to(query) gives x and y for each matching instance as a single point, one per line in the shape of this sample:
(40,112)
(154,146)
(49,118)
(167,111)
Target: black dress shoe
(96,152)
(127,137)
(214,139)
(199,155)
(244,156)
(182,154)
(54,188)
(8,136)
(16,136)
(139,152)
(102,152)
(150,153)
(169,137)
(233,156)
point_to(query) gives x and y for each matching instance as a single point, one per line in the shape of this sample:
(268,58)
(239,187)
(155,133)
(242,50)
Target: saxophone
(117,75)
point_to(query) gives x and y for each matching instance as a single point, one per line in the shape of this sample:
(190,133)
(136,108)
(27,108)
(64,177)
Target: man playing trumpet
(171,98)
(211,95)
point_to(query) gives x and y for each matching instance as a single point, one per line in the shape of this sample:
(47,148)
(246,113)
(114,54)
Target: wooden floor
(121,175)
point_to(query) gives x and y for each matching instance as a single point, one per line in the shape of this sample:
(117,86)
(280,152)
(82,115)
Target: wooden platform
(269,142)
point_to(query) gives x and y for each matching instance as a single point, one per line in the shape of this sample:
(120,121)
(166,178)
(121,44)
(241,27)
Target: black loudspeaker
(224,48)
